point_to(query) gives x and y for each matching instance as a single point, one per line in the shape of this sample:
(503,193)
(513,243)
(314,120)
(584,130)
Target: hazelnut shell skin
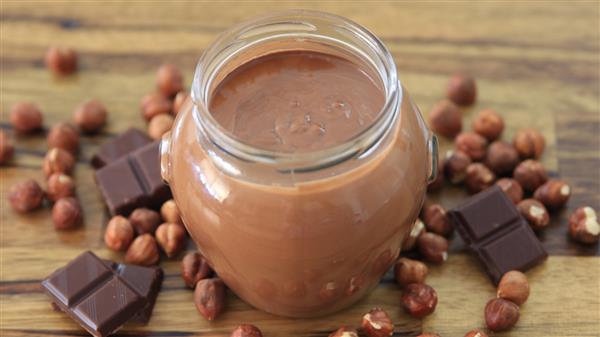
(472,144)
(529,143)
(462,89)
(554,194)
(26,117)
(583,225)
(530,174)
(61,61)
(501,315)
(64,136)
(419,300)
(26,196)
(445,119)
(501,158)
(512,188)
(7,149)
(67,214)
(514,287)
(489,124)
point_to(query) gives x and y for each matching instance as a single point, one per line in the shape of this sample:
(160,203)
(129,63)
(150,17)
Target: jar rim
(294,161)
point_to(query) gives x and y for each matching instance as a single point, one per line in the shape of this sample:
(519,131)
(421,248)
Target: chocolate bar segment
(493,229)
(146,160)
(119,146)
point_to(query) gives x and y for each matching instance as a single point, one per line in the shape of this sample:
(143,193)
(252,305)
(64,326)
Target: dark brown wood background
(536,63)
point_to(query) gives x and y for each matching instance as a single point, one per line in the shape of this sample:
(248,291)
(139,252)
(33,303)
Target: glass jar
(309,233)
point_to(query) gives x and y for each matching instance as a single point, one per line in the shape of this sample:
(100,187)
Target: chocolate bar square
(119,146)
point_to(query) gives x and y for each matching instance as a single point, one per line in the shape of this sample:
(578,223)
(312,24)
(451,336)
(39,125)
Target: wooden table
(538,65)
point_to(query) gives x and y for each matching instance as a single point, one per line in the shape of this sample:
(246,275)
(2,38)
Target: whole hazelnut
(476,333)
(6,148)
(410,241)
(419,299)
(59,186)
(583,225)
(377,323)
(209,297)
(472,144)
(409,271)
(61,61)
(512,188)
(171,238)
(529,143)
(535,213)
(461,89)
(26,196)
(455,167)
(155,104)
(144,220)
(501,314)
(433,247)
(531,174)
(143,251)
(344,332)
(445,119)
(436,220)
(502,158)
(179,100)
(169,80)
(26,117)
(170,212)
(514,287)
(64,136)
(479,177)
(489,124)
(246,330)
(194,268)
(159,125)
(554,193)
(58,160)
(119,233)
(90,116)
(66,213)
(438,182)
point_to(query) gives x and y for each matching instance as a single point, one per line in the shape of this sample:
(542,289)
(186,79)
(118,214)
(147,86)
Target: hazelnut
(476,333)
(377,323)
(170,212)
(489,124)
(26,117)
(529,143)
(502,158)
(344,332)
(531,174)
(90,116)
(64,136)
(514,287)
(144,220)
(119,233)
(461,89)
(472,144)
(409,271)
(436,220)
(209,297)
(179,101)
(438,182)
(6,148)
(512,188)
(58,160)
(455,167)
(246,330)
(501,314)
(156,104)
(169,80)
(159,125)
(410,240)
(535,213)
(59,186)
(61,61)
(583,225)
(171,238)
(445,119)
(194,268)
(433,247)
(66,213)
(428,335)
(419,300)
(479,177)
(554,193)
(143,251)
(26,196)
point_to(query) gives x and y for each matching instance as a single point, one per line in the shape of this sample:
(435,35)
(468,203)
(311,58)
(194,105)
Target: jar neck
(295,30)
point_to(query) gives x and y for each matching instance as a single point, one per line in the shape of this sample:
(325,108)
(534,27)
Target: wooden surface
(538,65)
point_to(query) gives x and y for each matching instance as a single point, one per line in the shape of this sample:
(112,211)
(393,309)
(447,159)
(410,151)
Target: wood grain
(536,64)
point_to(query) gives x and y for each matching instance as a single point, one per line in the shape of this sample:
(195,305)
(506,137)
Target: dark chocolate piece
(133,181)
(494,230)
(119,146)
(93,294)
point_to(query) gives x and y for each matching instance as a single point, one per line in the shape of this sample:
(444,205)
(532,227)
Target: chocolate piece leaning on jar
(493,229)
(119,146)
